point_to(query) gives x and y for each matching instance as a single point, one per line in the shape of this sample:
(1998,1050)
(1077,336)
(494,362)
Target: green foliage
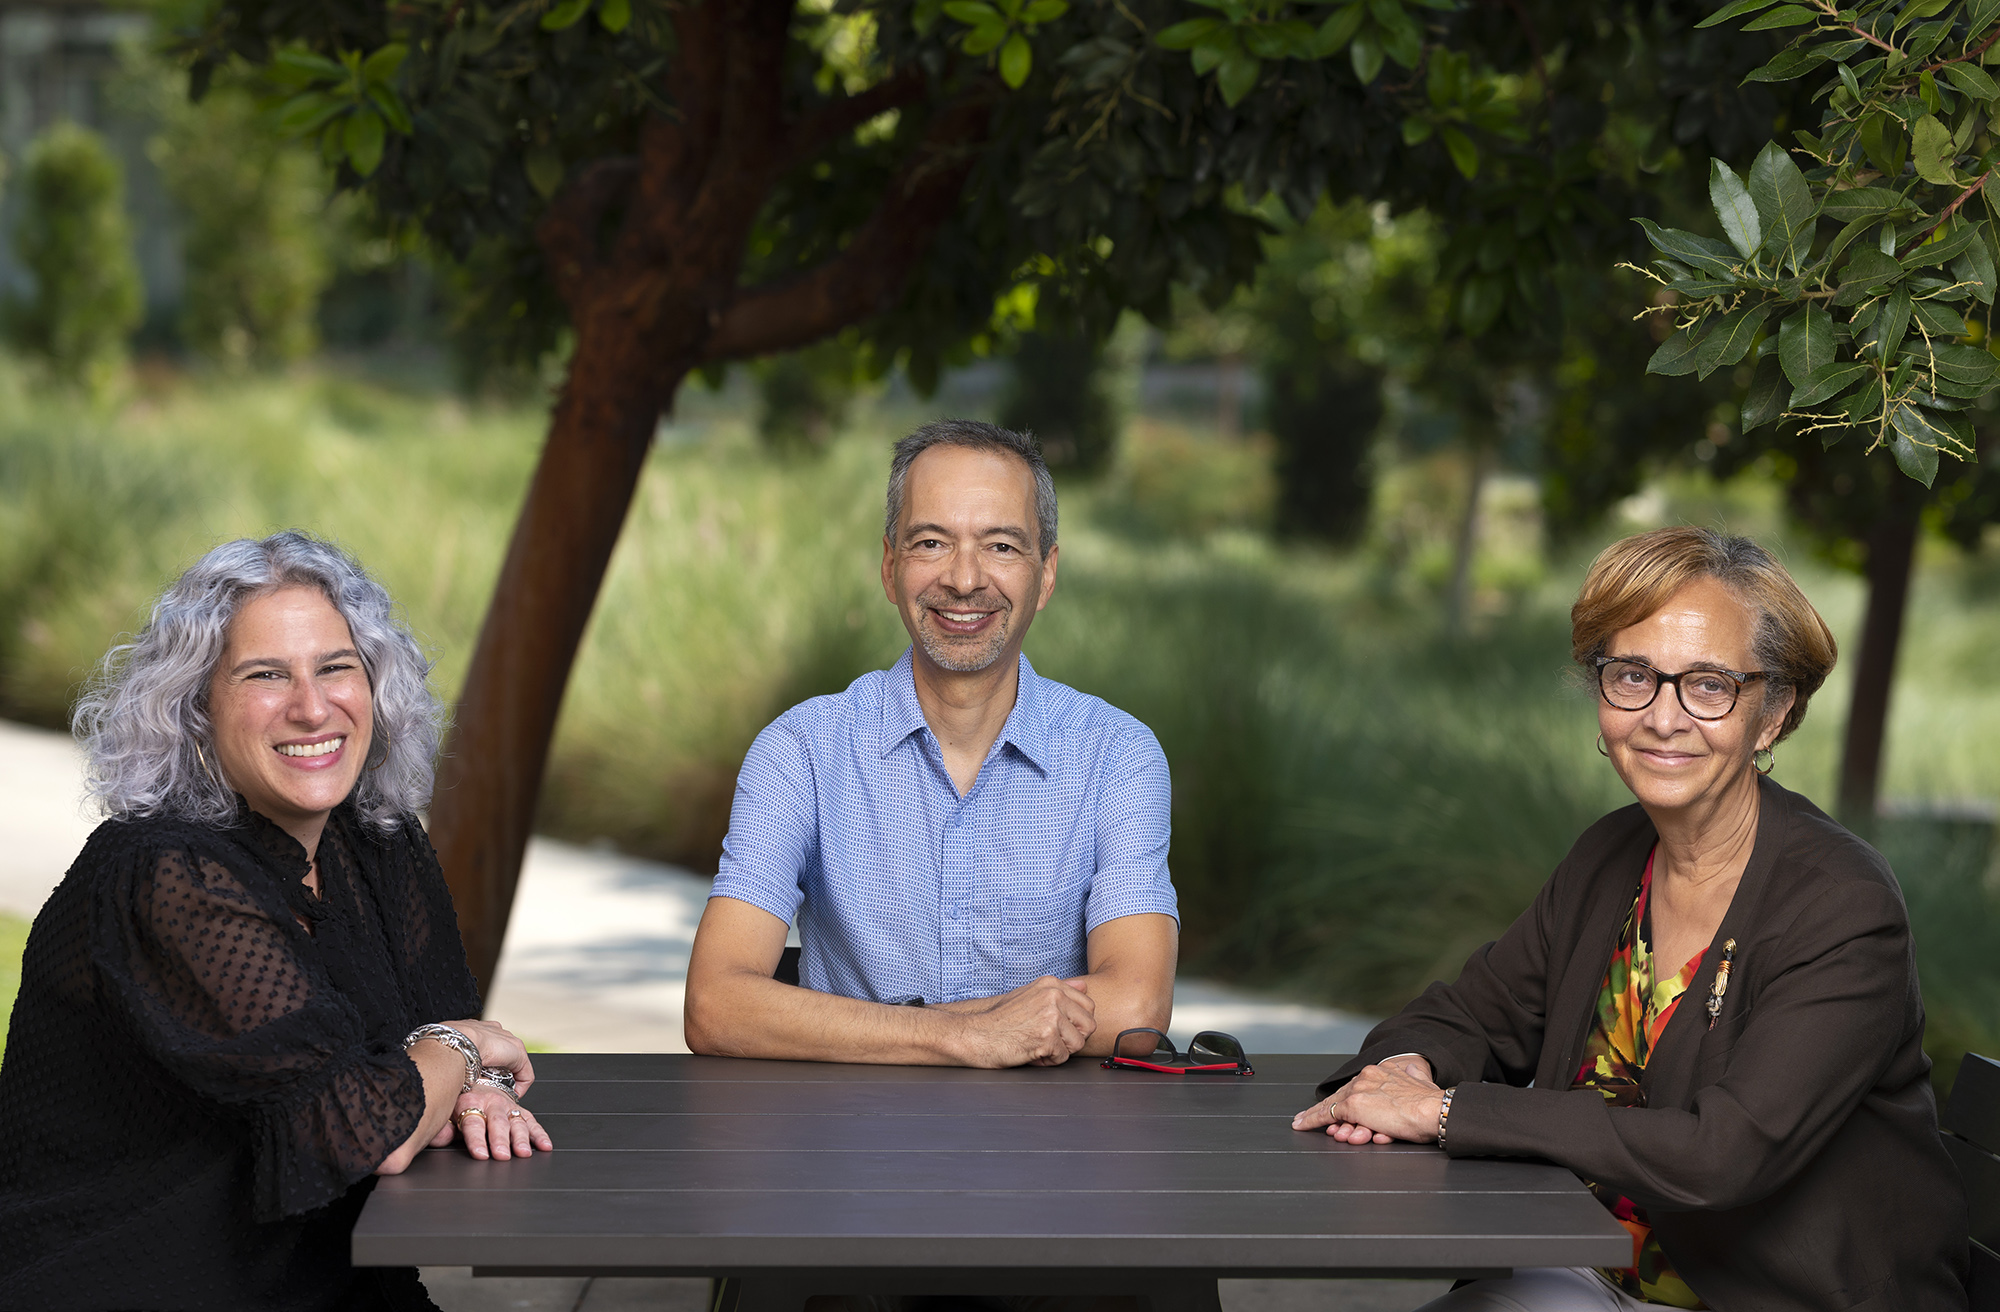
(13,940)
(73,239)
(1056,389)
(1869,334)
(803,396)
(1002,30)
(351,101)
(256,231)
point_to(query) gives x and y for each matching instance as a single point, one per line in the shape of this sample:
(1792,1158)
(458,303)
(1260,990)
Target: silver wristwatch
(452,1039)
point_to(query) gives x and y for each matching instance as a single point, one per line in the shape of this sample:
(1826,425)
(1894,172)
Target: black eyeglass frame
(1238,1065)
(1661,678)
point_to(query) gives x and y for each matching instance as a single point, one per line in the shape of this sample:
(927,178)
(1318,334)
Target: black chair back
(1972,1136)
(788,967)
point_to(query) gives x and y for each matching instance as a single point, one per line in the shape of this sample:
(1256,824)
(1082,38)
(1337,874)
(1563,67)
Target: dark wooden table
(800,1178)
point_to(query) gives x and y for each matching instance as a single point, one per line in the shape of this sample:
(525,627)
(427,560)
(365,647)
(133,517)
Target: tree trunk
(491,775)
(1458,597)
(1891,552)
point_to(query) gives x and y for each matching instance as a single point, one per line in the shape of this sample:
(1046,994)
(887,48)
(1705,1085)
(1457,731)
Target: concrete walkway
(596,961)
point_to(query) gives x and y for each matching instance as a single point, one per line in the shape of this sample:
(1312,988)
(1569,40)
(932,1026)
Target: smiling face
(1669,759)
(964,569)
(292,710)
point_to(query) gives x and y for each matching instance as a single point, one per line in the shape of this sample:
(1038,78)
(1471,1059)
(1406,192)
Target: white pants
(1539,1289)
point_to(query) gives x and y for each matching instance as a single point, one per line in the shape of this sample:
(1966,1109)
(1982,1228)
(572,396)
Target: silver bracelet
(452,1039)
(498,1077)
(1444,1111)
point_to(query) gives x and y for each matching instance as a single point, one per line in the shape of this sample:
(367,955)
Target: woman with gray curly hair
(232,1012)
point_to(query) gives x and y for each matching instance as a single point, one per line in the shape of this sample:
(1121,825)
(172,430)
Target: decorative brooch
(1721,985)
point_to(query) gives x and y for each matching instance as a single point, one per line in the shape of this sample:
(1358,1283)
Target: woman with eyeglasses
(1710,1013)
(243,1002)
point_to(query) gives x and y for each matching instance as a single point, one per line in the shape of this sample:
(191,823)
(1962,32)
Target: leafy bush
(1056,390)
(255,231)
(73,239)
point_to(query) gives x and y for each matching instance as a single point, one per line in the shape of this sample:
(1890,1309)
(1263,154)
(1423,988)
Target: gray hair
(144,718)
(979,437)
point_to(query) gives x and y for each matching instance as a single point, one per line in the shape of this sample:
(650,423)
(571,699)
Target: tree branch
(567,232)
(835,119)
(1950,210)
(869,273)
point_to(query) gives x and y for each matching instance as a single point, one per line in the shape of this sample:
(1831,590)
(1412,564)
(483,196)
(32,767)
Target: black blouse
(205,1065)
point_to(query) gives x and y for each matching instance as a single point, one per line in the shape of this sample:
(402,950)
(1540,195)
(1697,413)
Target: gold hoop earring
(1768,763)
(1600,747)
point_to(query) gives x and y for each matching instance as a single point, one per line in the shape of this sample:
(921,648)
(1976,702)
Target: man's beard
(963,655)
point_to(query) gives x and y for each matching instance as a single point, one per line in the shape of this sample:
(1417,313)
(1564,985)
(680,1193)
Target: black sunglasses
(1211,1053)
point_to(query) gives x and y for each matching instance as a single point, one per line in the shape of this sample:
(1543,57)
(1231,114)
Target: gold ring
(472,1111)
(515,1114)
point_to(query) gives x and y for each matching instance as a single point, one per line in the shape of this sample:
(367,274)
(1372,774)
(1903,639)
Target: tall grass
(1358,799)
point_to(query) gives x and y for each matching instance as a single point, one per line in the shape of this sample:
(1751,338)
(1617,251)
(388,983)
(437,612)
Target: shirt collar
(903,715)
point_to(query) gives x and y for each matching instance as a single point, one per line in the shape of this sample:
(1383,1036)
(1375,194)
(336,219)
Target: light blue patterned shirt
(846,816)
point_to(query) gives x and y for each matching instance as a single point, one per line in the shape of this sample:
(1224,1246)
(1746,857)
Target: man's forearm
(744,1015)
(1126,1004)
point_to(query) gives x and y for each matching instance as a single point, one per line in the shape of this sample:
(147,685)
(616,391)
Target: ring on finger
(516,1114)
(472,1111)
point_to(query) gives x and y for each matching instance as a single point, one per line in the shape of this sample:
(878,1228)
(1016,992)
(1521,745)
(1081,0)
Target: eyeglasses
(1211,1053)
(1705,694)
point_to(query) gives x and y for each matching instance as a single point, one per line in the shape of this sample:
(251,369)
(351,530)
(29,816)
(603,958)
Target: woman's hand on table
(1396,1099)
(492,1124)
(498,1047)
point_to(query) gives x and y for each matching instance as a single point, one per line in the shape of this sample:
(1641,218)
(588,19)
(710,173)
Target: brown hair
(1634,577)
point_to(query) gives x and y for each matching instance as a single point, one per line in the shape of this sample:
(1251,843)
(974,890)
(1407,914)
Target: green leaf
(1189,33)
(1784,203)
(1937,321)
(1016,58)
(985,37)
(386,100)
(309,64)
(1480,302)
(1730,339)
(1932,145)
(1788,65)
(1236,76)
(363,141)
(973,13)
(1915,441)
(1862,202)
(1338,30)
(1676,355)
(566,14)
(306,112)
(1805,343)
(1766,398)
(1972,80)
(1975,265)
(1416,131)
(1735,208)
(1464,154)
(1881,137)
(1402,38)
(1366,54)
(1290,39)
(1704,253)
(1782,16)
(1871,269)
(1938,250)
(1044,11)
(382,65)
(1827,380)
(1734,10)
(1888,330)
(544,167)
(1213,50)
(1970,366)
(615,15)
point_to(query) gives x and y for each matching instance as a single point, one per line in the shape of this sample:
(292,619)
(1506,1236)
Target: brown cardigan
(1788,1157)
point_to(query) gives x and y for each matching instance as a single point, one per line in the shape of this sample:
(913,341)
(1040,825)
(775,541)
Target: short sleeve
(1134,824)
(211,982)
(773,826)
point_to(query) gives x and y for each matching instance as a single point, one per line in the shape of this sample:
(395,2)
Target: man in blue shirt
(977,856)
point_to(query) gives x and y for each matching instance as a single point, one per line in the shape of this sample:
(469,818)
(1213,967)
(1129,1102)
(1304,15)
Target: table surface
(673,1164)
